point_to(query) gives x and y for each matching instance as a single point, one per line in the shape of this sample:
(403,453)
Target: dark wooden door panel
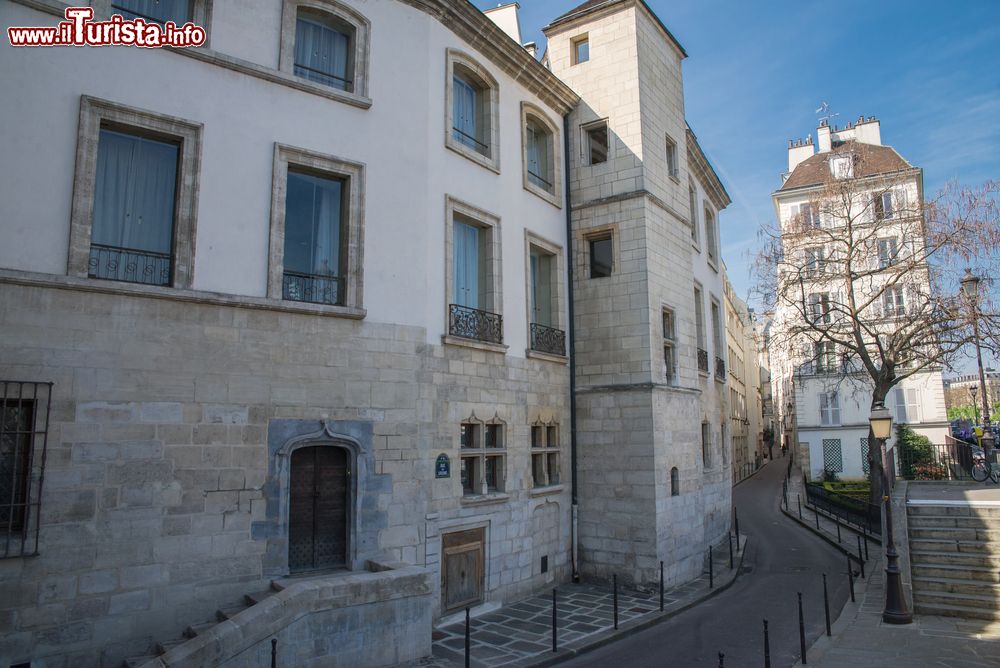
(317,514)
(463,568)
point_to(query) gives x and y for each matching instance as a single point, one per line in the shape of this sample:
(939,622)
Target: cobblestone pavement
(520,634)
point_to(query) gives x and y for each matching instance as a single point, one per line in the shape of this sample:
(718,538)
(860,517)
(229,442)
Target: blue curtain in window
(313,224)
(464,112)
(466,264)
(134,193)
(321,53)
(160,11)
(538,156)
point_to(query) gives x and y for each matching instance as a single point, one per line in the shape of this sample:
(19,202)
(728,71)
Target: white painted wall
(400,139)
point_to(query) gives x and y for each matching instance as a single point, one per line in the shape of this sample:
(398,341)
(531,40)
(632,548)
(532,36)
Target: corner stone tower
(649,489)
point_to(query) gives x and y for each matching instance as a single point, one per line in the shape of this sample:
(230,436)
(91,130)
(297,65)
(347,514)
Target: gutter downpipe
(570,329)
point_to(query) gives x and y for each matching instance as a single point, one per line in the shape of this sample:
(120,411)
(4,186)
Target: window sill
(448,339)
(548,490)
(550,197)
(484,500)
(492,164)
(676,179)
(59,282)
(548,357)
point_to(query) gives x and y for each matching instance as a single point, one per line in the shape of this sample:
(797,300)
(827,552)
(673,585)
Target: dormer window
(842,167)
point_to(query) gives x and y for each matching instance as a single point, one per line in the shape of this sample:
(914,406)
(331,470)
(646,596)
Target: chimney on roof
(823,136)
(798,151)
(532,49)
(868,131)
(505,16)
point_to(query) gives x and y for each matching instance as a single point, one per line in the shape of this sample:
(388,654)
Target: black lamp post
(970,287)
(895,611)
(975,404)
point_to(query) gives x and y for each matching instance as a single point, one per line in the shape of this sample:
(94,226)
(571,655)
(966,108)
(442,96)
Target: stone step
(951,558)
(197,629)
(956,586)
(136,661)
(228,613)
(942,610)
(956,533)
(953,521)
(977,601)
(961,546)
(977,573)
(166,646)
(254,599)
(955,511)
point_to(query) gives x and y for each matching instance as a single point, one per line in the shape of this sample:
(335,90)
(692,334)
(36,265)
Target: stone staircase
(193,631)
(955,560)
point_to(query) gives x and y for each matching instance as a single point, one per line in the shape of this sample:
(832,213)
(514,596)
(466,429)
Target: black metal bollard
(736,519)
(864,530)
(850,577)
(614,580)
(661,586)
(468,640)
(767,647)
(555,646)
(836,520)
(826,605)
(722,660)
(274,653)
(711,569)
(816,511)
(802,632)
(730,550)
(860,558)
(800,505)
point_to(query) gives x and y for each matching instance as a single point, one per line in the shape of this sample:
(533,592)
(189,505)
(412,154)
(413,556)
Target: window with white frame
(671,155)
(472,109)
(842,167)
(825,354)
(888,251)
(544,287)
(711,236)
(134,213)
(669,345)
(806,215)
(893,304)
(829,409)
(693,206)
(542,154)
(907,404)
(483,453)
(819,308)
(474,282)
(596,142)
(316,219)
(580,49)
(882,206)
(545,449)
(325,42)
(815,260)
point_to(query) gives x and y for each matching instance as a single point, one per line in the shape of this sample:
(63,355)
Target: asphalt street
(782,560)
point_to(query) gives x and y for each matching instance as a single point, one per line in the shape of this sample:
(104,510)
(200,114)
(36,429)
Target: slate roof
(594,5)
(869,160)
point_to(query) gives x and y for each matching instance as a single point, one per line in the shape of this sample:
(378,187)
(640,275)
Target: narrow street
(782,559)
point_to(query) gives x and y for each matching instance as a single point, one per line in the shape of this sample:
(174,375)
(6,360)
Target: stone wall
(158,504)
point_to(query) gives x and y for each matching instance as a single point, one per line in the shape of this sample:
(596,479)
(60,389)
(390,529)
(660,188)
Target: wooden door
(318,508)
(462,570)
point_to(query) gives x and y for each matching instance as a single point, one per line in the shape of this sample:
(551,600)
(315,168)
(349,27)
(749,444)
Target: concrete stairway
(221,615)
(955,560)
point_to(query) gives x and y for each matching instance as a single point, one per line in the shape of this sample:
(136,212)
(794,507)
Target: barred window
(483,454)
(544,454)
(24,416)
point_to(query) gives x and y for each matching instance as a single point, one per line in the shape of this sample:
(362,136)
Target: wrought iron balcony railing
(720,368)
(548,339)
(129,264)
(314,288)
(702,360)
(472,323)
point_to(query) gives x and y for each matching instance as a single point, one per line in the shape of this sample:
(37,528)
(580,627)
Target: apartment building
(848,201)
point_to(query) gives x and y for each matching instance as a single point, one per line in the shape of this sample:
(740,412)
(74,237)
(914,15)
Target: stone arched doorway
(319,508)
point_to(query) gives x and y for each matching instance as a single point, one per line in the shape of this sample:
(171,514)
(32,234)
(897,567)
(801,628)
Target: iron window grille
(130,265)
(314,288)
(702,361)
(472,323)
(24,429)
(548,339)
(483,455)
(720,368)
(544,454)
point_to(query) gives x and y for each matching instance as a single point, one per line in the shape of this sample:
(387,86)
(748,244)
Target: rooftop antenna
(824,108)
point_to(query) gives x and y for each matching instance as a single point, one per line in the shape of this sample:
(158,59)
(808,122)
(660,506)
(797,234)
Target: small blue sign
(442,467)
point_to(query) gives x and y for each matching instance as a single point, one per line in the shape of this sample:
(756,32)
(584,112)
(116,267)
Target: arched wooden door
(318,508)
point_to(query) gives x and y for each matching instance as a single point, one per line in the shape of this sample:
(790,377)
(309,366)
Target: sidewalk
(520,634)
(860,638)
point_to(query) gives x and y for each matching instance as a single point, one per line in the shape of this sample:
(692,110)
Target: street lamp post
(970,287)
(975,404)
(895,611)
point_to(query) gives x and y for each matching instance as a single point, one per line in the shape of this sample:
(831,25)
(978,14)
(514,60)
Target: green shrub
(914,450)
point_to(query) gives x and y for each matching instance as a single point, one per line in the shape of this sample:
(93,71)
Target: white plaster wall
(400,139)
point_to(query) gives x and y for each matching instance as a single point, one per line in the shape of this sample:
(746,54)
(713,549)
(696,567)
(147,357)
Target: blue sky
(757,71)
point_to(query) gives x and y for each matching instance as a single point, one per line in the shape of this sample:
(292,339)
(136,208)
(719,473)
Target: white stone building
(289,304)
(745,402)
(829,395)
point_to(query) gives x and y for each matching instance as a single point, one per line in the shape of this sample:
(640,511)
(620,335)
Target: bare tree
(864,280)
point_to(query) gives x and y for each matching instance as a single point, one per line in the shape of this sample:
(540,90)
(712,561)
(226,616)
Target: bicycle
(981,469)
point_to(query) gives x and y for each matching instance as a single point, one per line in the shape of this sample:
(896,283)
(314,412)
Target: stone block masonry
(160,501)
